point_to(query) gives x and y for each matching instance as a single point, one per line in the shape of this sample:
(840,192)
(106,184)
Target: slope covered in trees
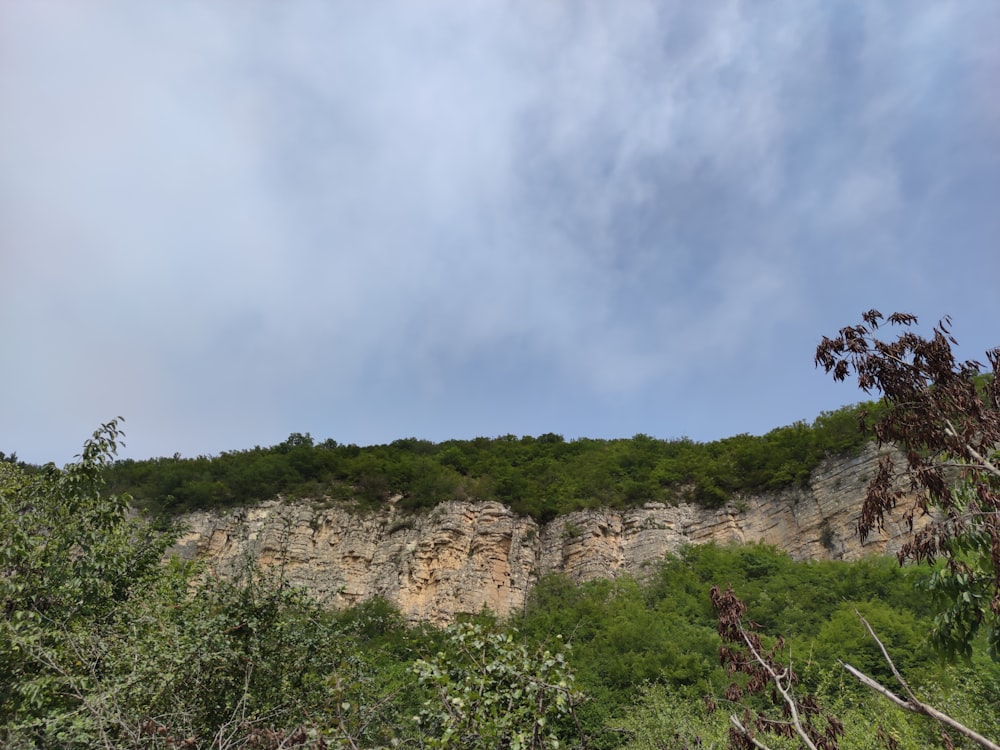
(943,415)
(102,646)
(539,476)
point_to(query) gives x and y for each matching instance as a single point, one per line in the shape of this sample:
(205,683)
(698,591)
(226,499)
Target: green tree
(70,556)
(491,690)
(101,644)
(944,416)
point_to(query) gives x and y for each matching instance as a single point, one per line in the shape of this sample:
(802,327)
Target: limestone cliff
(463,556)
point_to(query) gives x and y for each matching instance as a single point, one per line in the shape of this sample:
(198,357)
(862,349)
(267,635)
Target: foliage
(492,690)
(102,645)
(663,631)
(542,477)
(664,716)
(843,637)
(765,673)
(242,659)
(945,417)
(70,557)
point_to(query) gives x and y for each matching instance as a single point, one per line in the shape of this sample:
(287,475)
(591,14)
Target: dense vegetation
(101,645)
(104,645)
(646,653)
(540,476)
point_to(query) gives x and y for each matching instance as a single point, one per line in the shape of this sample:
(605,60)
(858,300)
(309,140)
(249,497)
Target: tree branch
(785,692)
(868,682)
(746,733)
(913,705)
(888,660)
(984,462)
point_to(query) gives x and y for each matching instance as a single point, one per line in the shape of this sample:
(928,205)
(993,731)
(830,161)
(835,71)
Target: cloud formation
(230,221)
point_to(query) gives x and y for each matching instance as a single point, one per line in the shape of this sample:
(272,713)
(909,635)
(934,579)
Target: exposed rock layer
(463,556)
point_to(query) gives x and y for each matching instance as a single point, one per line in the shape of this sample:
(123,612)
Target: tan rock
(463,557)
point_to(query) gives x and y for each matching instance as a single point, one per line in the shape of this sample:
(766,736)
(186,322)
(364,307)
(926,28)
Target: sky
(229,221)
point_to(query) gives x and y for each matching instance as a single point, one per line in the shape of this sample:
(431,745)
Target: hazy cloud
(229,221)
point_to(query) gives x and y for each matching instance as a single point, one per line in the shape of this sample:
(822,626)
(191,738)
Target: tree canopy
(944,415)
(103,645)
(540,476)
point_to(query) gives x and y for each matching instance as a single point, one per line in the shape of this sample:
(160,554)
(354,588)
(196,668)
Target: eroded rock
(462,557)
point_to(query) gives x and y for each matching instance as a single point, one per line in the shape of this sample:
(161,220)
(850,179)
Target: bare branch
(746,733)
(920,707)
(888,660)
(878,687)
(783,690)
(983,461)
(914,704)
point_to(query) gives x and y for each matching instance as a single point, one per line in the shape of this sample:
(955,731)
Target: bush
(542,477)
(492,690)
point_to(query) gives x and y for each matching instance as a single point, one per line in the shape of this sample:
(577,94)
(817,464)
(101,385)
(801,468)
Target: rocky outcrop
(462,557)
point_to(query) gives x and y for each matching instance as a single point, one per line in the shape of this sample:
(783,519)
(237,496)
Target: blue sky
(230,221)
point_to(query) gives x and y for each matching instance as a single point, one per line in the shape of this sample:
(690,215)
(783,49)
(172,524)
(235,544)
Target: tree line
(540,476)
(102,645)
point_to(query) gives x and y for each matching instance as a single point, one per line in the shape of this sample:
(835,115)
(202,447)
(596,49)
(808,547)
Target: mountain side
(464,556)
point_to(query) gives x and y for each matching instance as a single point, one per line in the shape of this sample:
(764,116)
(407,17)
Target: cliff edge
(461,557)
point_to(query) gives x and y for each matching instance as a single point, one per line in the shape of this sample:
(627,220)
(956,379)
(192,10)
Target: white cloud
(261,210)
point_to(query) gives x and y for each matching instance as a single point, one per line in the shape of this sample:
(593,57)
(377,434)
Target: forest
(106,647)
(542,476)
(105,643)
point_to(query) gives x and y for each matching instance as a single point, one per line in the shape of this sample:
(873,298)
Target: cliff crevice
(464,556)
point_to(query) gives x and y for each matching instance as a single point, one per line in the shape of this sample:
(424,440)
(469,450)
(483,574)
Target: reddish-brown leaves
(944,418)
(743,654)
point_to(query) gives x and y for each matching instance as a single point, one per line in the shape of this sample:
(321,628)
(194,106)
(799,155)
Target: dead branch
(734,720)
(911,703)
(785,690)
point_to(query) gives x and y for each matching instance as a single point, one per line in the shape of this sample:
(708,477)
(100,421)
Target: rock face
(462,557)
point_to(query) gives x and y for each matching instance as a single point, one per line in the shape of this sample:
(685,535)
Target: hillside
(464,556)
(142,649)
(542,477)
